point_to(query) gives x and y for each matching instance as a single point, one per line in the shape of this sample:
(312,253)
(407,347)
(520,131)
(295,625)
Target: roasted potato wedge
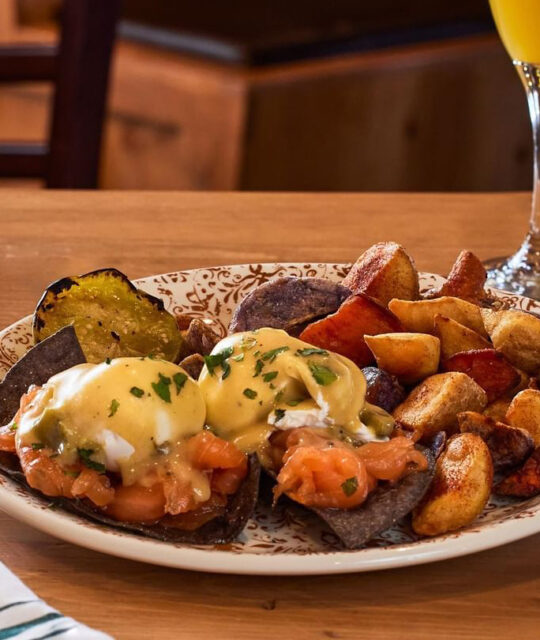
(488,368)
(408,356)
(382,389)
(344,331)
(497,409)
(509,446)
(435,403)
(525,482)
(288,303)
(466,279)
(524,412)
(516,335)
(111,317)
(456,337)
(460,489)
(419,316)
(384,271)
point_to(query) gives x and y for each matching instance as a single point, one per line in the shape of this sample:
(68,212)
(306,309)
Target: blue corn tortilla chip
(57,353)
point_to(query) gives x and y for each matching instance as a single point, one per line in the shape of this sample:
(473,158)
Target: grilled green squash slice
(111,317)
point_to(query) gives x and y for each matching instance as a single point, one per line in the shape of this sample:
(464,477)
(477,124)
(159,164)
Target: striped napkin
(23,616)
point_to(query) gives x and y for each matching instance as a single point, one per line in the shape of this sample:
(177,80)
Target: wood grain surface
(45,235)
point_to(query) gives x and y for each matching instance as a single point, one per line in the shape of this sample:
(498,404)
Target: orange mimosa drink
(518,22)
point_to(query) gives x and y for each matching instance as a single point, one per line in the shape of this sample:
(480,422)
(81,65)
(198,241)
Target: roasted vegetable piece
(384,271)
(497,409)
(199,338)
(287,303)
(344,331)
(488,368)
(509,446)
(193,365)
(383,390)
(456,337)
(516,335)
(435,403)
(466,279)
(408,356)
(460,489)
(524,412)
(110,316)
(525,482)
(419,316)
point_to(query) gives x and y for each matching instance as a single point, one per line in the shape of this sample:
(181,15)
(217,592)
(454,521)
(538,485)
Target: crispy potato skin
(460,488)
(466,279)
(488,368)
(435,403)
(419,316)
(516,335)
(509,446)
(456,337)
(525,482)
(408,356)
(384,271)
(524,412)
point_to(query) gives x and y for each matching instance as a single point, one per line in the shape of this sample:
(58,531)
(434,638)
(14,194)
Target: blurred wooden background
(297,96)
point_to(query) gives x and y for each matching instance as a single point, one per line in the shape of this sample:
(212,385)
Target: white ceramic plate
(274,542)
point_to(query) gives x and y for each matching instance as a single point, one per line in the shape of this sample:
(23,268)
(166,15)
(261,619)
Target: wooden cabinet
(431,116)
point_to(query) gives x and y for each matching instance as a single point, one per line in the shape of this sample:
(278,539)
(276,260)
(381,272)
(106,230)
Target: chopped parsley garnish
(273,353)
(113,408)
(268,377)
(179,381)
(36,446)
(250,393)
(14,426)
(226,370)
(86,459)
(350,486)
(137,392)
(312,351)
(152,356)
(323,375)
(108,360)
(239,357)
(73,474)
(162,387)
(258,367)
(217,359)
(280,414)
(248,343)
(279,395)
(294,403)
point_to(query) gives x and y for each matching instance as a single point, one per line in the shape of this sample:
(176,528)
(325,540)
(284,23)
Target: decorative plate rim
(479,536)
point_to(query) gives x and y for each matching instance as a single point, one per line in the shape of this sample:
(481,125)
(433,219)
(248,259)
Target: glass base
(519,273)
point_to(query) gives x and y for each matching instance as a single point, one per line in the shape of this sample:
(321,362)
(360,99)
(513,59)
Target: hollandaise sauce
(122,416)
(261,381)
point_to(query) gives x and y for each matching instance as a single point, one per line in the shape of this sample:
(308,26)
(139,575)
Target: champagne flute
(518,23)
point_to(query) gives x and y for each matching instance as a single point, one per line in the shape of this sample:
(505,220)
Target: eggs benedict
(303,410)
(128,435)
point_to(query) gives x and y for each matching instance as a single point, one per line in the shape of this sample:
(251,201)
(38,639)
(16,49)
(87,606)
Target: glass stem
(530,76)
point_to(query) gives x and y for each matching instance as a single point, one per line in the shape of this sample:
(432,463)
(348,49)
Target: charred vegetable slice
(111,317)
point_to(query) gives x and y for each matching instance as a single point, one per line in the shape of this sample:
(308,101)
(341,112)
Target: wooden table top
(45,235)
